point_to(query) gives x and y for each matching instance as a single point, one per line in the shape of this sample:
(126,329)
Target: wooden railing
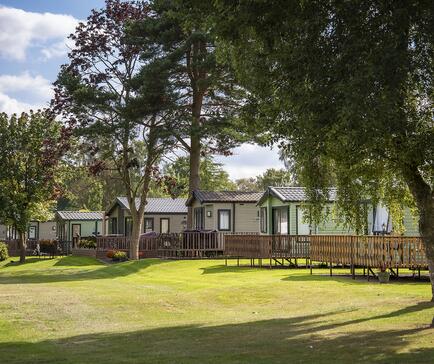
(35,246)
(369,251)
(267,246)
(248,246)
(185,244)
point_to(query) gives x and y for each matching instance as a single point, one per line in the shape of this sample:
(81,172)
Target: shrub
(3,251)
(110,254)
(87,243)
(119,256)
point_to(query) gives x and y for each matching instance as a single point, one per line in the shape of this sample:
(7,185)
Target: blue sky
(33,44)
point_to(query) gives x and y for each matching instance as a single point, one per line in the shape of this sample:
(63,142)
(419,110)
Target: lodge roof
(224,196)
(157,205)
(80,215)
(292,194)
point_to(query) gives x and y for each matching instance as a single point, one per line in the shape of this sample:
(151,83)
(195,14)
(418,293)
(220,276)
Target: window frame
(219,211)
(263,214)
(114,223)
(199,214)
(152,224)
(161,225)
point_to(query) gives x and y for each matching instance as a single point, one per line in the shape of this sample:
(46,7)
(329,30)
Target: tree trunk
(194,180)
(426,228)
(23,246)
(424,197)
(135,235)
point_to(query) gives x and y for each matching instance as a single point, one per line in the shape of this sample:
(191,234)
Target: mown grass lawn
(77,310)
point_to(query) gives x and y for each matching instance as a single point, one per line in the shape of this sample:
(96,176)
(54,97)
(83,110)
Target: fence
(194,244)
(369,251)
(45,247)
(267,246)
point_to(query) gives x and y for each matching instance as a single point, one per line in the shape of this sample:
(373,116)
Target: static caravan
(162,215)
(281,212)
(71,225)
(225,211)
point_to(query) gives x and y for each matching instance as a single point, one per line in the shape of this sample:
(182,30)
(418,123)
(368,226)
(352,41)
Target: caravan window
(224,220)
(263,219)
(149,224)
(199,218)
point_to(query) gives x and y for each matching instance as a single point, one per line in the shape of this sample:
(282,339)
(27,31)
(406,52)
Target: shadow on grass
(347,278)
(216,269)
(293,340)
(97,271)
(76,261)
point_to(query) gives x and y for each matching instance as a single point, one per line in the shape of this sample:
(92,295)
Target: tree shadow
(360,279)
(289,340)
(221,268)
(69,274)
(76,261)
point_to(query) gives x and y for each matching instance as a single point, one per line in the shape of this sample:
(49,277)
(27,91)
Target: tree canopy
(347,87)
(177,41)
(213,176)
(31,148)
(120,117)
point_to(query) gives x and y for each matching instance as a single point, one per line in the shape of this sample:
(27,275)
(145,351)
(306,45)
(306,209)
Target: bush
(87,243)
(3,251)
(110,254)
(120,256)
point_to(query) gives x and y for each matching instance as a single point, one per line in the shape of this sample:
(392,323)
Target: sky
(33,44)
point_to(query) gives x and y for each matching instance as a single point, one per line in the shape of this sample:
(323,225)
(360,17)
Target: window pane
(164,226)
(149,225)
(263,220)
(224,218)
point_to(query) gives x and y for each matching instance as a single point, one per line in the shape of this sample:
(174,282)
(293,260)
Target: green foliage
(247,184)
(87,243)
(119,256)
(212,175)
(274,177)
(271,177)
(31,147)
(347,89)
(4,254)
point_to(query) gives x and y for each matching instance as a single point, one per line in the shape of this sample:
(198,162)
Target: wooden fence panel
(369,251)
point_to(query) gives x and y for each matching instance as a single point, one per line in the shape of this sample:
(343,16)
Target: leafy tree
(122,123)
(31,147)
(205,93)
(247,184)
(274,177)
(348,88)
(213,177)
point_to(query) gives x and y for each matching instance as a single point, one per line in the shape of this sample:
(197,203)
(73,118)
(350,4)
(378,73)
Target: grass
(77,310)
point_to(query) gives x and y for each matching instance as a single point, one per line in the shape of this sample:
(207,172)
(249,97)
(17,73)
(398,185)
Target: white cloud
(10,105)
(20,30)
(37,86)
(24,92)
(250,160)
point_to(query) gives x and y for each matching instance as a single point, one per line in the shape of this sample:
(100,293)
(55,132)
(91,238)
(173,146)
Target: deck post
(331,269)
(310,267)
